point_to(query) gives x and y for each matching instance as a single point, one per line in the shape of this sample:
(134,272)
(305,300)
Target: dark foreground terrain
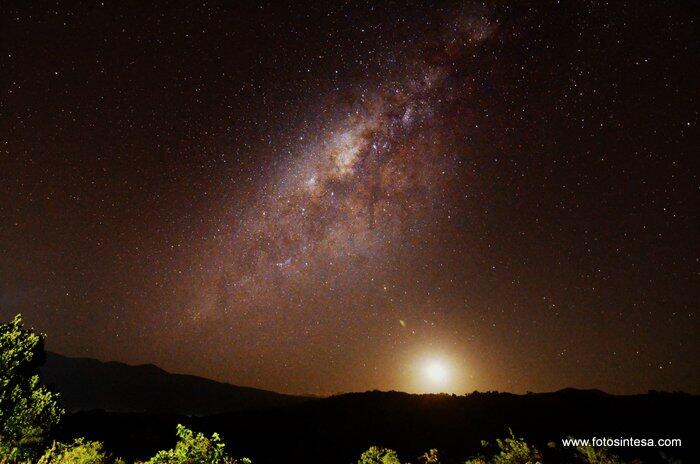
(338,429)
(135,410)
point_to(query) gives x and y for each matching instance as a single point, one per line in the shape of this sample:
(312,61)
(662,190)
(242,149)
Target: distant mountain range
(134,410)
(88,384)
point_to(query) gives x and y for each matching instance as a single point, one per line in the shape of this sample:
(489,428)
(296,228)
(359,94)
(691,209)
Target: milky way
(320,197)
(356,187)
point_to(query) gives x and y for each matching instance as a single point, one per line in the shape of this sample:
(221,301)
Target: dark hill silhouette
(88,384)
(337,429)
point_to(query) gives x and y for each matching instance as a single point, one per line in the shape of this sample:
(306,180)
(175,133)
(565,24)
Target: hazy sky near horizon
(328,196)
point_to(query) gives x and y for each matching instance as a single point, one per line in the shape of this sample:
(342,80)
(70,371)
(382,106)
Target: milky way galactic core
(322,197)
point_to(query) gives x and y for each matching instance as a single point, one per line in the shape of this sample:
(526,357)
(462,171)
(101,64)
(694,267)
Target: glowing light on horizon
(437,374)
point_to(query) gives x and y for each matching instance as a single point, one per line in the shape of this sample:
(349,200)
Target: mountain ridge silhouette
(89,384)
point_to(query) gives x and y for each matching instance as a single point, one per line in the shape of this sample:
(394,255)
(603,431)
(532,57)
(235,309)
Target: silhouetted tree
(28,410)
(429,457)
(377,455)
(194,447)
(511,450)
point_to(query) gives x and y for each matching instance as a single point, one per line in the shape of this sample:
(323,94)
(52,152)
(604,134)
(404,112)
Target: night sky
(323,197)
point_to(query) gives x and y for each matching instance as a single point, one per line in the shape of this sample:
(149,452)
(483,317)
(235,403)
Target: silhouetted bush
(78,452)
(193,447)
(592,455)
(510,450)
(376,455)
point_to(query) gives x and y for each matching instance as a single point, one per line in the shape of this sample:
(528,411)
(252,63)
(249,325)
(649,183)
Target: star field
(311,198)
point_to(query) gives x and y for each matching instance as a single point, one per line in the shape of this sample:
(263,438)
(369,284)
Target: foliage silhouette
(592,455)
(510,450)
(78,452)
(430,457)
(377,455)
(28,410)
(193,447)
